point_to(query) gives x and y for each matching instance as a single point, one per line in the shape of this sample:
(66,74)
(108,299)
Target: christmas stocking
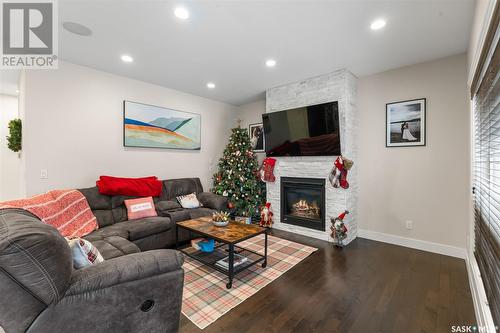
(347,164)
(338,175)
(336,172)
(266,170)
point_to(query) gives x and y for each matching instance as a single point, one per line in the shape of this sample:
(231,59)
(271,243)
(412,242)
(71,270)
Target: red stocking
(267,168)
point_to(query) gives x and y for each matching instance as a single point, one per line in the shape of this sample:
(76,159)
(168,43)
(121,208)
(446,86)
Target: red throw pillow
(136,187)
(139,208)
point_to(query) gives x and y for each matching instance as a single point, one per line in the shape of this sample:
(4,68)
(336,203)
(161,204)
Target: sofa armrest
(212,200)
(124,269)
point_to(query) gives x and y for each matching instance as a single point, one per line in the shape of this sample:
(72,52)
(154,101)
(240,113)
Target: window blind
(486,149)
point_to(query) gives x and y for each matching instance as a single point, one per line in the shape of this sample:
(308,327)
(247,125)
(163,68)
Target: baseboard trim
(481,307)
(446,250)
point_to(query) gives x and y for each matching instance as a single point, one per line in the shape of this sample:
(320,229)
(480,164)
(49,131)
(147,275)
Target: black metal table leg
(264,264)
(231,267)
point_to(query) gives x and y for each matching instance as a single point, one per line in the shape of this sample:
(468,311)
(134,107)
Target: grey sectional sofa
(138,288)
(151,232)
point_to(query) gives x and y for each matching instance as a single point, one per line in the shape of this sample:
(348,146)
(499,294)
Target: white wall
(251,113)
(74,130)
(10,162)
(427,185)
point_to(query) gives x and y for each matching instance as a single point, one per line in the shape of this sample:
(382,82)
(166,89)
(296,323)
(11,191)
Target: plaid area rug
(206,298)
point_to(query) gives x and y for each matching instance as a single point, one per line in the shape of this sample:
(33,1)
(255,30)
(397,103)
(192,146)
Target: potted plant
(14,140)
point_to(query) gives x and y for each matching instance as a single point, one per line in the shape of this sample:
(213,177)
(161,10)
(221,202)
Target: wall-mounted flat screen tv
(306,131)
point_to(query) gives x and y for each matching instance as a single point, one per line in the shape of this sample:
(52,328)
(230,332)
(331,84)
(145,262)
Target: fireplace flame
(304,208)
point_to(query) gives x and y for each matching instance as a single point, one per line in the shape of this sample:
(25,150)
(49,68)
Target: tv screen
(306,131)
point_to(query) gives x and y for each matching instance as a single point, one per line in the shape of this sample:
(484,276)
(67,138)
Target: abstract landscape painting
(405,123)
(156,127)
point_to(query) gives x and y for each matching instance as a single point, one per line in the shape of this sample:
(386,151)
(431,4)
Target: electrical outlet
(44,174)
(409,225)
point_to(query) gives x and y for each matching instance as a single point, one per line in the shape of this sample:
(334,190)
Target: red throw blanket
(66,210)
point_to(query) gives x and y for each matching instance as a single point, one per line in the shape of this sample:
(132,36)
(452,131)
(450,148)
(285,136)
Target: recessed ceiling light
(378,24)
(77,28)
(127,58)
(182,13)
(271,63)
(210,85)
(17,91)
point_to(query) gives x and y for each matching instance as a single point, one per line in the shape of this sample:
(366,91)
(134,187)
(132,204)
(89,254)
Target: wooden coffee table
(226,239)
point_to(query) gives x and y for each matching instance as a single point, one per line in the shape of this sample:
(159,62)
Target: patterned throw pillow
(84,253)
(189,201)
(139,208)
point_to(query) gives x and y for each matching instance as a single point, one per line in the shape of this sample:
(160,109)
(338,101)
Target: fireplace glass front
(303,202)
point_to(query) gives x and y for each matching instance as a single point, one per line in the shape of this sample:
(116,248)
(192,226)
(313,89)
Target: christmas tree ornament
(266,216)
(267,168)
(339,229)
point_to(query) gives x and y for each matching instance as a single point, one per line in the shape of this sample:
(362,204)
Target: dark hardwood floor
(366,287)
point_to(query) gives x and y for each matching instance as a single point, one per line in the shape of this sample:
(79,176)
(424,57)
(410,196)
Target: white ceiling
(227,42)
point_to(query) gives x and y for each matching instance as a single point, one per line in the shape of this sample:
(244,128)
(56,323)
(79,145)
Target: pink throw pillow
(139,208)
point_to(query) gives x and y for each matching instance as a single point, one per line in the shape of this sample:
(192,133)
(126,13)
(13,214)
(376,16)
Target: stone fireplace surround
(336,86)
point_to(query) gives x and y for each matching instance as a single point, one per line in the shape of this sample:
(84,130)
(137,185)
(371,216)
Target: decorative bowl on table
(220,219)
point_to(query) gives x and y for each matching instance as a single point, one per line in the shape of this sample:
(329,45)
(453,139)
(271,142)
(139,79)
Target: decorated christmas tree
(238,176)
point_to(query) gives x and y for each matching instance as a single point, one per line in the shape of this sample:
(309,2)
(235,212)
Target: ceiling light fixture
(127,58)
(378,24)
(77,28)
(210,85)
(271,63)
(182,13)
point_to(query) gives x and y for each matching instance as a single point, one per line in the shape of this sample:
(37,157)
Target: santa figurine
(266,216)
(339,229)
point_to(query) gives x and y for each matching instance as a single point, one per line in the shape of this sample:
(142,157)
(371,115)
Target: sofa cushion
(115,246)
(212,200)
(173,188)
(95,199)
(133,229)
(199,212)
(147,226)
(108,231)
(104,217)
(167,205)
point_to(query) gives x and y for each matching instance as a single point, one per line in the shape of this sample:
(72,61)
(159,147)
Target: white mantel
(337,86)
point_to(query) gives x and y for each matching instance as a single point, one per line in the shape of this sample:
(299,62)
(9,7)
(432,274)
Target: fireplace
(303,202)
